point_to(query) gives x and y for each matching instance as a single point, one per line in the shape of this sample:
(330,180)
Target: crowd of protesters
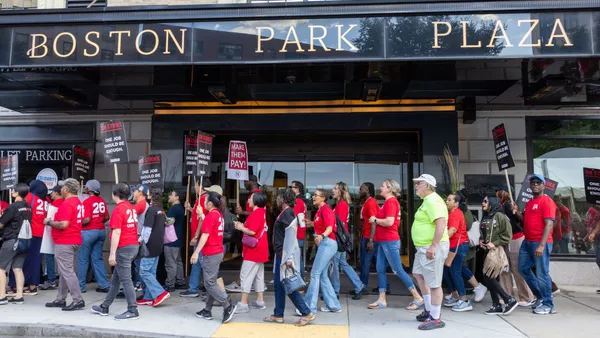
(515,248)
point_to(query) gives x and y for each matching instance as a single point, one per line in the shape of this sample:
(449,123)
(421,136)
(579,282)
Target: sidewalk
(577,307)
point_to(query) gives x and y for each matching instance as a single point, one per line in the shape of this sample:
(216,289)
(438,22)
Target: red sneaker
(163,296)
(144,302)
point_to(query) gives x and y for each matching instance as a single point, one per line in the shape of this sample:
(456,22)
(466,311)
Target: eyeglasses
(317,195)
(536,182)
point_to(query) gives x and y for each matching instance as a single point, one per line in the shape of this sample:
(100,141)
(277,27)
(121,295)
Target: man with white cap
(430,236)
(93,235)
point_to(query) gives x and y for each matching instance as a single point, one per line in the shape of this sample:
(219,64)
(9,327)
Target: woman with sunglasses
(496,231)
(387,237)
(325,227)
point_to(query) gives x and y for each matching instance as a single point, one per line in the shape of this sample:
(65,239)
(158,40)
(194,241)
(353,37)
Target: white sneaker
(233,287)
(480,292)
(462,306)
(527,304)
(448,296)
(451,302)
(241,308)
(326,309)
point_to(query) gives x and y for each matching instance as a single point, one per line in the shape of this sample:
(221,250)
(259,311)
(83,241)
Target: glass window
(561,149)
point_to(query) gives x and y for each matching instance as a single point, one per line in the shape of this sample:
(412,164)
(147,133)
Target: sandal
(377,305)
(273,319)
(305,320)
(414,305)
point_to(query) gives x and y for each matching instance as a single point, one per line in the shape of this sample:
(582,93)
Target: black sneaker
(18,301)
(228,313)
(140,297)
(494,310)
(423,317)
(202,289)
(57,303)
(510,306)
(180,287)
(100,310)
(4,301)
(361,293)
(188,294)
(204,314)
(103,290)
(128,315)
(74,306)
(169,289)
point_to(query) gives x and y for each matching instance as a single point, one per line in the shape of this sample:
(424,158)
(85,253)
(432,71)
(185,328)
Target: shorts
(432,270)
(8,255)
(252,273)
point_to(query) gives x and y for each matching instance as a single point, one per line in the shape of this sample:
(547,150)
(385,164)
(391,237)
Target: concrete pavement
(578,313)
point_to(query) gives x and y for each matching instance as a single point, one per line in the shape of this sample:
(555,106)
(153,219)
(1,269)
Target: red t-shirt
(39,210)
(257,222)
(342,210)
(57,202)
(324,218)
(536,212)
(3,206)
(300,208)
(96,211)
(213,225)
(391,208)
(456,220)
(125,218)
(248,208)
(140,207)
(370,208)
(565,215)
(593,216)
(70,210)
(557,230)
(195,221)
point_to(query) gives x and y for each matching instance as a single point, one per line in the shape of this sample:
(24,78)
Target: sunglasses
(485,202)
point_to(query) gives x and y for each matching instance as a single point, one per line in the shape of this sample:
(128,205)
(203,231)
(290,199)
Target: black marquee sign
(472,36)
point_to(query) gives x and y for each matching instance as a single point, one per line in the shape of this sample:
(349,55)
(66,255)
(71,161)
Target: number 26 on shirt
(131,218)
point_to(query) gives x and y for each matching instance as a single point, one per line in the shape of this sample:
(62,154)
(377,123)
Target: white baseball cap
(427,179)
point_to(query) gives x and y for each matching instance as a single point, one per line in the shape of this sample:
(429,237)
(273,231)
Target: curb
(57,330)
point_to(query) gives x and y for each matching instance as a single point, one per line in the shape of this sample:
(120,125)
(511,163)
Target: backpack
(342,237)
(229,229)
(474,234)
(23,242)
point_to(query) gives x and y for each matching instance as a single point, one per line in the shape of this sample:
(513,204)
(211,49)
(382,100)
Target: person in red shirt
(368,249)
(33,262)
(198,212)
(124,248)
(253,187)
(253,266)
(538,223)
(66,233)
(55,201)
(300,212)
(325,226)
(565,223)
(341,194)
(93,236)
(387,235)
(456,274)
(3,206)
(211,246)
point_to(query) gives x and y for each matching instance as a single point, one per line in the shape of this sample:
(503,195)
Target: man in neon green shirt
(430,236)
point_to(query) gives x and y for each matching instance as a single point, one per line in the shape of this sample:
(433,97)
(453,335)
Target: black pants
(493,284)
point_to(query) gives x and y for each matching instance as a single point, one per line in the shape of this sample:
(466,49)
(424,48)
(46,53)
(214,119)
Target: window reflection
(562,159)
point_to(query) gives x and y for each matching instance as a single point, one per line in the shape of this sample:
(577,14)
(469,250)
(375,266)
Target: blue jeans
(564,243)
(365,261)
(295,296)
(340,260)
(456,274)
(152,288)
(389,252)
(301,245)
(91,247)
(318,277)
(195,275)
(540,284)
(50,267)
